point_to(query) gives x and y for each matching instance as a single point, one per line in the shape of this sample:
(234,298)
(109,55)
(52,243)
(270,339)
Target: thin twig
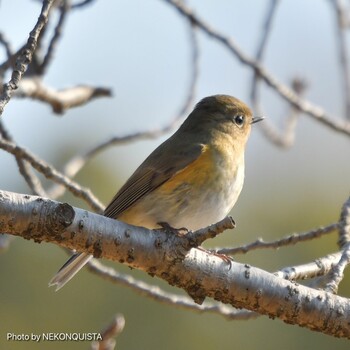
(284,91)
(164,297)
(196,238)
(194,69)
(341,26)
(327,266)
(51,173)
(109,333)
(344,225)
(25,56)
(272,9)
(60,100)
(31,179)
(24,168)
(319,267)
(286,241)
(77,162)
(336,274)
(64,9)
(83,3)
(286,138)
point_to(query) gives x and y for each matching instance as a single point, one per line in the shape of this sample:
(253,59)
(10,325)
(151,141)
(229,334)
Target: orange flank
(196,172)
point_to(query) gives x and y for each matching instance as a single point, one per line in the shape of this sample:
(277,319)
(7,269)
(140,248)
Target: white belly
(206,206)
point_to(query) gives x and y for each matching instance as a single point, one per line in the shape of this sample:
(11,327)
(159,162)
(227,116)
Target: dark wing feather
(159,167)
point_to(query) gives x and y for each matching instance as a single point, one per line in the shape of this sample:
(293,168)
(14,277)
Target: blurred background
(141,50)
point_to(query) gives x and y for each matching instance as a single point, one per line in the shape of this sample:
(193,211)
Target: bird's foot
(178,231)
(224,257)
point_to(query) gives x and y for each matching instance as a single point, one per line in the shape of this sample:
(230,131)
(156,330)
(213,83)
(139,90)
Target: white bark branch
(60,100)
(170,257)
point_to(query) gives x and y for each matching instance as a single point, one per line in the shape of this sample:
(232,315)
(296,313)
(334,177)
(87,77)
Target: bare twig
(329,268)
(284,91)
(25,56)
(341,25)
(344,225)
(32,180)
(64,9)
(24,168)
(194,68)
(319,267)
(51,173)
(286,241)
(286,138)
(60,100)
(336,274)
(76,163)
(164,297)
(196,238)
(109,333)
(82,4)
(272,9)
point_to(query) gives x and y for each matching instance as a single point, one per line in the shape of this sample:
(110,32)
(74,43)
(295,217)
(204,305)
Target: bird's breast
(200,194)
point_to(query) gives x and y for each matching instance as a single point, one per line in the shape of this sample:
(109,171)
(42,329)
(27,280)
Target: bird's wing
(158,168)
(153,172)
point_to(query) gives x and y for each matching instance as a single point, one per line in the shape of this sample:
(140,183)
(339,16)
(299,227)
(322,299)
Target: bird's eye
(239,120)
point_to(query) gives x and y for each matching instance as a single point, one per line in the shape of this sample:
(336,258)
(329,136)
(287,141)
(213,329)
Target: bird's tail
(69,270)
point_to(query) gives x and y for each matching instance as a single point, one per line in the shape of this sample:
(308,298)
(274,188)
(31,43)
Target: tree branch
(63,8)
(24,168)
(329,268)
(25,56)
(167,298)
(81,4)
(283,242)
(284,91)
(51,173)
(336,275)
(109,333)
(319,267)
(60,100)
(341,24)
(168,256)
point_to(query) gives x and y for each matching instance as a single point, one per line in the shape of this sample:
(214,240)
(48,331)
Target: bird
(193,179)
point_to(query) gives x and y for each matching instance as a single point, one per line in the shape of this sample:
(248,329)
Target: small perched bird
(191,180)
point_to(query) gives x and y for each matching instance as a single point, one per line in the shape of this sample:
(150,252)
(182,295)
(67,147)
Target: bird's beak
(256,119)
